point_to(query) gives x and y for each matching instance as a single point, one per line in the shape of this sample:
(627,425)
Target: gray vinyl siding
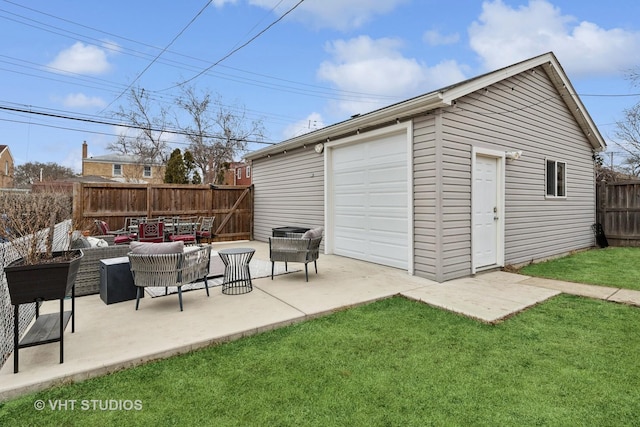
(288,191)
(424,196)
(524,113)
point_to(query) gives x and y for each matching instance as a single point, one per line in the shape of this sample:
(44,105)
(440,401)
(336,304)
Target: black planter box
(42,282)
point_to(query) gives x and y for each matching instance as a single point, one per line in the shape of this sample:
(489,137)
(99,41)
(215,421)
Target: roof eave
(398,112)
(445,97)
(554,70)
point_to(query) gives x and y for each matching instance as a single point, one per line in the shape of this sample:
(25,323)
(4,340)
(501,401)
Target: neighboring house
(6,163)
(239,173)
(497,170)
(122,168)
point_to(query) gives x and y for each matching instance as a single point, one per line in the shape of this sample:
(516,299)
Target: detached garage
(493,171)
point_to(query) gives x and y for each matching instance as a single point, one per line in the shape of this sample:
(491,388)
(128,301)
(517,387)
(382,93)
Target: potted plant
(27,222)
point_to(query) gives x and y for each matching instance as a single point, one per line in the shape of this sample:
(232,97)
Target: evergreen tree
(176,172)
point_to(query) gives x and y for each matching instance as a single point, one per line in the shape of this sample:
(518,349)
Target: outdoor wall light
(513,155)
(319,148)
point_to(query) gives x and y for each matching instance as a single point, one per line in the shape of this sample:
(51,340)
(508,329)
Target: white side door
(486,212)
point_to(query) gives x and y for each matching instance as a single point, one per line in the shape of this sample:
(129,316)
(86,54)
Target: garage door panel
(370,212)
(353,200)
(384,200)
(396,226)
(348,221)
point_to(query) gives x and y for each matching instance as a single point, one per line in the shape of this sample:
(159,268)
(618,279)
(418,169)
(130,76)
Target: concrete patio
(116,336)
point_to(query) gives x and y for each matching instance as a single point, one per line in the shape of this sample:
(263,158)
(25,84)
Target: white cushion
(156,248)
(313,233)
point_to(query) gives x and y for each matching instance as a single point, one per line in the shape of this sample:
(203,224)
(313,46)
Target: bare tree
(628,131)
(30,172)
(150,126)
(628,136)
(217,133)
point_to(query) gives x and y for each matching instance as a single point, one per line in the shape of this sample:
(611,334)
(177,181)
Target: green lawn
(615,267)
(568,361)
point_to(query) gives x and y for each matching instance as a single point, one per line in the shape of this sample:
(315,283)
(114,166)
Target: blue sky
(321,63)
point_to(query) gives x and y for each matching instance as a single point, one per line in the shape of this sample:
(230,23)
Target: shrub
(27,221)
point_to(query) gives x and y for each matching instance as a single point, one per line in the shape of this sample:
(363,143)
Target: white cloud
(81,59)
(376,67)
(338,14)
(221,3)
(504,35)
(312,122)
(80,100)
(435,38)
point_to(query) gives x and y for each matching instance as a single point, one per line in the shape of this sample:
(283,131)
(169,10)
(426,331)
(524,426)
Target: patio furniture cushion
(313,233)
(189,238)
(156,248)
(78,241)
(121,240)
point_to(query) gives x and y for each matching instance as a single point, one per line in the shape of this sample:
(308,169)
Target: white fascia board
(400,111)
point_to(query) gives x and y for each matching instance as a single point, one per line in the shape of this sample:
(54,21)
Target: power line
(177,64)
(126,125)
(238,48)
(160,54)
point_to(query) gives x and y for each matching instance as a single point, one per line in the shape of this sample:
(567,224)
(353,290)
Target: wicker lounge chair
(183,266)
(296,248)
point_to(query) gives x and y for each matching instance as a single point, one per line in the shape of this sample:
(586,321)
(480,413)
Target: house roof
(119,158)
(445,97)
(4,148)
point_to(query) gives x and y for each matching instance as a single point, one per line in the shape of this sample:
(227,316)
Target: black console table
(47,328)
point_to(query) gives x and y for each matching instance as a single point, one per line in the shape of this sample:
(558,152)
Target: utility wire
(236,49)
(126,125)
(159,54)
(174,63)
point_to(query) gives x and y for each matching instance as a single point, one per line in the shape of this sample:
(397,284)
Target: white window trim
(546,175)
(248,174)
(144,172)
(114,169)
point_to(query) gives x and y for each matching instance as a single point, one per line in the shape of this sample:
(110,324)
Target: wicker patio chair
(296,248)
(170,269)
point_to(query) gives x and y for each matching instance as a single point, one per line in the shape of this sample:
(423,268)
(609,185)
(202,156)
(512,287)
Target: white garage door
(370,202)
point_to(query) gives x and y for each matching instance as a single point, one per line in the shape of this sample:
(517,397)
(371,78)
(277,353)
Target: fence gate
(618,210)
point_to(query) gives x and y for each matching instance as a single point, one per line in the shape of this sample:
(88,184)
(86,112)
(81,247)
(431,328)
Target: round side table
(237,277)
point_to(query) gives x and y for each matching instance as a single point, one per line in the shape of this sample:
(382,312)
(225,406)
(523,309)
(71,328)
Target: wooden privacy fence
(618,210)
(232,206)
